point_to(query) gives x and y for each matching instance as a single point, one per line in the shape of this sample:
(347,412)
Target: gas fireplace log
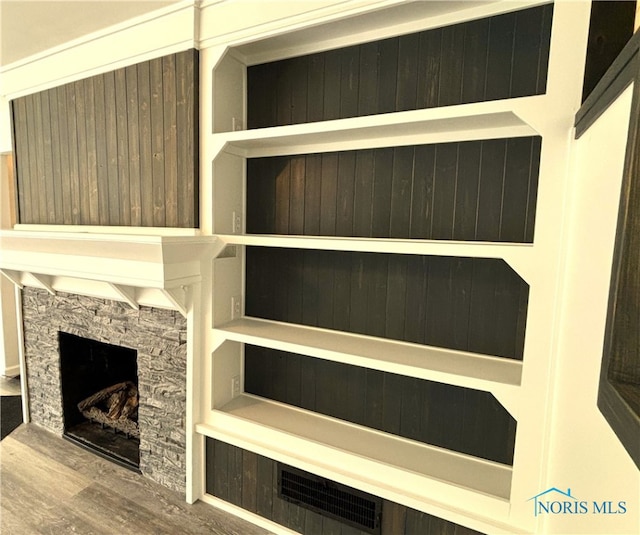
(124,425)
(116,404)
(118,408)
(103,394)
(130,409)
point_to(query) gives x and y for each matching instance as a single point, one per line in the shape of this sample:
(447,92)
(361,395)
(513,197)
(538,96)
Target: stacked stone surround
(158,335)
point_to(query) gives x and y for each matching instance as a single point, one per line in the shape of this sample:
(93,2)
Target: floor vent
(329,498)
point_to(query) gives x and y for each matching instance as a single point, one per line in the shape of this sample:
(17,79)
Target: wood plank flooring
(50,486)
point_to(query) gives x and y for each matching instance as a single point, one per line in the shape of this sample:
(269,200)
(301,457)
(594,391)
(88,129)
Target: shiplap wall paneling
(470,304)
(476,190)
(501,57)
(249,480)
(118,148)
(459,419)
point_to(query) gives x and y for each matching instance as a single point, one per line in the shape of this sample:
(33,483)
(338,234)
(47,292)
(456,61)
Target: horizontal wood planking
(475,190)
(228,465)
(470,304)
(456,418)
(501,57)
(116,149)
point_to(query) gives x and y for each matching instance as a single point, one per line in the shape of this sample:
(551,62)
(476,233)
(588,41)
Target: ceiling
(28,27)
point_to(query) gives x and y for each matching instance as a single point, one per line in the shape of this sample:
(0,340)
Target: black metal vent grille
(329,498)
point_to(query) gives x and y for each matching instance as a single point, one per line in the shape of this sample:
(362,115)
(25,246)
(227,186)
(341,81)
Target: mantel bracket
(178,298)
(127,293)
(45,281)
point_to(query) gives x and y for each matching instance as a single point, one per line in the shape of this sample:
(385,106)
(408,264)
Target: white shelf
(518,255)
(481,372)
(377,462)
(467,122)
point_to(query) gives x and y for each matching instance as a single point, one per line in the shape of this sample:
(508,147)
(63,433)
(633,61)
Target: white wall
(9,356)
(585,455)
(5,126)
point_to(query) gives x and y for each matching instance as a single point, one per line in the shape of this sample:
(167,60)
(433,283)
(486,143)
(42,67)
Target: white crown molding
(163,31)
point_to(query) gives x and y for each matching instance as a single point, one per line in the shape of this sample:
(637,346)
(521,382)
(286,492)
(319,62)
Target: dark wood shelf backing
(452,417)
(500,57)
(610,28)
(118,149)
(472,304)
(618,76)
(469,191)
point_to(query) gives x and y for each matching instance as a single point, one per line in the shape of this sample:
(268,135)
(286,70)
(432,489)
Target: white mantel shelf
(144,261)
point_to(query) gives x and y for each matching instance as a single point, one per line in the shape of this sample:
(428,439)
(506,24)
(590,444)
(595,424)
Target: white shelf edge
(460,368)
(376,462)
(111,230)
(466,122)
(520,256)
(476,249)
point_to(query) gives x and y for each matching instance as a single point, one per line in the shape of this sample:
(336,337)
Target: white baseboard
(11,371)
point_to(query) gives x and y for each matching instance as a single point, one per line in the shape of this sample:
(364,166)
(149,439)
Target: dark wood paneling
(56,119)
(187,120)
(471,304)
(111,126)
(500,57)
(48,157)
(475,190)
(452,417)
(22,160)
(119,148)
(611,26)
(396,519)
(91,191)
(38,140)
(157,142)
(102,189)
(170,141)
(124,211)
(474,73)
(133,135)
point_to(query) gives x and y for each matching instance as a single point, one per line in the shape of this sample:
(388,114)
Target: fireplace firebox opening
(100,398)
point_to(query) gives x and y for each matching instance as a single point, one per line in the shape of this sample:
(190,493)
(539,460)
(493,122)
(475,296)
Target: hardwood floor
(50,486)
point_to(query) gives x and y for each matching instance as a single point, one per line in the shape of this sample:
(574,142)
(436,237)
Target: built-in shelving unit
(414,473)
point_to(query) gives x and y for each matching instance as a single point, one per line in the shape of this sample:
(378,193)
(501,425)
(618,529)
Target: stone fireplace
(159,338)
